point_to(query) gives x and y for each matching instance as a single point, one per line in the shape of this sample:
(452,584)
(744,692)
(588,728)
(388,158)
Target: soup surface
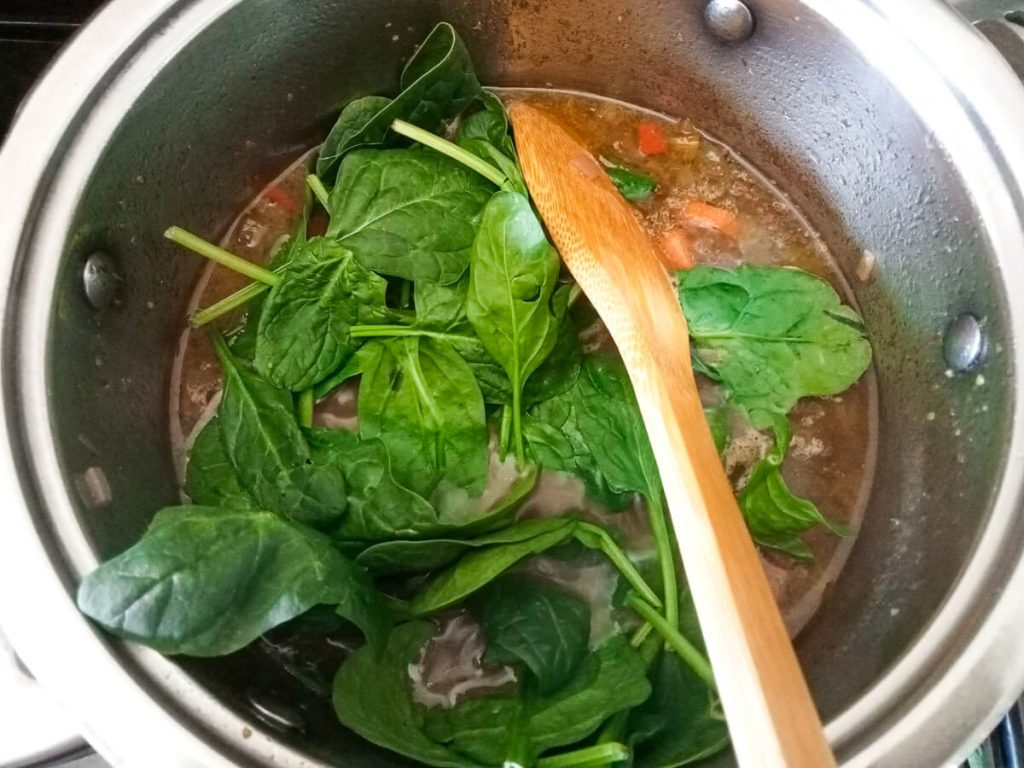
(831,456)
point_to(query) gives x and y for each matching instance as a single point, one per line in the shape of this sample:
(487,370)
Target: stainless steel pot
(891,123)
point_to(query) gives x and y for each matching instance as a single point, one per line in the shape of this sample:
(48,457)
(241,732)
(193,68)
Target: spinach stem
(319,190)
(619,559)
(693,658)
(519,446)
(454,151)
(505,432)
(377,331)
(642,633)
(599,754)
(237,299)
(666,556)
(227,259)
(305,408)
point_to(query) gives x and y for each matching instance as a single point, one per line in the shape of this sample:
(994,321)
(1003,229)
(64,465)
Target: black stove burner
(31,33)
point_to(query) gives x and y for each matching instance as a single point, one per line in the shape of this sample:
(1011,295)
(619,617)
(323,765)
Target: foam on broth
(831,459)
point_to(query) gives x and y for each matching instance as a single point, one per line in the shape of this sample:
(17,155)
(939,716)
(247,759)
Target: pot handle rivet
(100,279)
(731,21)
(964,343)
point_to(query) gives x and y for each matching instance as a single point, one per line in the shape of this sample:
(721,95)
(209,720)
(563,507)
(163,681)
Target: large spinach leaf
(420,398)
(411,213)
(268,452)
(479,568)
(304,324)
(513,274)
(437,83)
(680,723)
(519,727)
(534,623)
(775,516)
(772,336)
(372,697)
(210,480)
(207,581)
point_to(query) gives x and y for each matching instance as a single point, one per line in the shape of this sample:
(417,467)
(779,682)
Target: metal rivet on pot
(729,20)
(964,343)
(101,279)
(274,712)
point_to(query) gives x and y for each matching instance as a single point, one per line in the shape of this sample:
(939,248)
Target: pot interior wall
(795,100)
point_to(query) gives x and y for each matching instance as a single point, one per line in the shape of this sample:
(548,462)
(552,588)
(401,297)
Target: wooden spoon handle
(772,718)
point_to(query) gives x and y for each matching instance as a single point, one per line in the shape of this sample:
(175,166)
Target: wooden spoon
(772,718)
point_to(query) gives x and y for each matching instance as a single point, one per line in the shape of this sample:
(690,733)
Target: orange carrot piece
(650,138)
(711,216)
(674,247)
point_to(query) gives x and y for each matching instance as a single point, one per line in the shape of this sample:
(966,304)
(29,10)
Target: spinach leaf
(718,423)
(437,83)
(210,480)
(478,568)
(394,557)
(420,398)
(409,213)
(772,335)
(207,581)
(379,507)
(554,441)
(680,723)
(631,185)
(595,431)
(382,510)
(536,624)
(520,727)
(560,369)
(775,516)
(441,307)
(610,424)
(304,324)
(513,273)
(372,697)
(264,444)
(354,367)
(486,134)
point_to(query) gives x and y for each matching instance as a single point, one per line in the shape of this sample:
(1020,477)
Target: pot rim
(966,656)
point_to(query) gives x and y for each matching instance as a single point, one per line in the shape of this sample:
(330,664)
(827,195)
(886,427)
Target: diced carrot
(280,198)
(711,216)
(675,249)
(650,138)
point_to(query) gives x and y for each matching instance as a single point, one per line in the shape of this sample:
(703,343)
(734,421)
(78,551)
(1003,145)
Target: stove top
(31,33)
